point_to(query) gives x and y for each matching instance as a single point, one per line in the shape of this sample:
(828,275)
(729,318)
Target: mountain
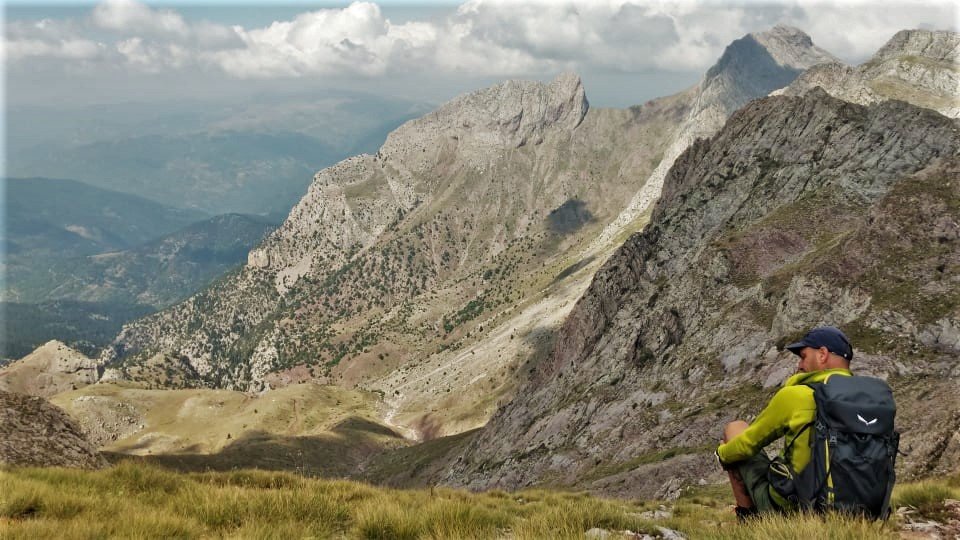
(34,433)
(70,218)
(49,370)
(435,269)
(750,67)
(918,66)
(450,210)
(80,261)
(156,273)
(84,326)
(801,211)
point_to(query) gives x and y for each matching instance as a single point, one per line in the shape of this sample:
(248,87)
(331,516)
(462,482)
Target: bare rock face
(34,433)
(50,369)
(918,66)
(801,211)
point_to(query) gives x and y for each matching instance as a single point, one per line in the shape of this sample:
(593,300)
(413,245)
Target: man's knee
(733,429)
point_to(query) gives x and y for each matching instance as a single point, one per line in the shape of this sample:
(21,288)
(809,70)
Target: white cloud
(65,49)
(854,31)
(355,39)
(153,57)
(481,38)
(131,16)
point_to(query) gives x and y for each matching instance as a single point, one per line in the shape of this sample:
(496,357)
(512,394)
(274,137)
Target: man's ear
(823,356)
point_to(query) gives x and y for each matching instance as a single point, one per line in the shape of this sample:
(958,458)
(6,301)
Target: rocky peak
(940,45)
(791,47)
(509,114)
(750,67)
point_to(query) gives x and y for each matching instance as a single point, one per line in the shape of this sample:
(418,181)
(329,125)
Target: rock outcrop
(34,433)
(918,66)
(800,211)
(50,369)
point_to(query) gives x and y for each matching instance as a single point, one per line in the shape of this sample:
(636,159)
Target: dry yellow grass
(137,501)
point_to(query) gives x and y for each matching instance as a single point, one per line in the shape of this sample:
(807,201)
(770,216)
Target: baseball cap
(825,336)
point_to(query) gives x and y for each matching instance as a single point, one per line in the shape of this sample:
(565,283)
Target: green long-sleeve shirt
(790,409)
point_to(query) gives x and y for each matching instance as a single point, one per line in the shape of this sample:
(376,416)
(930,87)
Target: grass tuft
(926,498)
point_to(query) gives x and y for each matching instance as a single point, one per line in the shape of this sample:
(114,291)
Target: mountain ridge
(919,66)
(675,323)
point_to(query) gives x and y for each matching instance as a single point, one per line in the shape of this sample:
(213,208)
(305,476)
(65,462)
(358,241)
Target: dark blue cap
(825,336)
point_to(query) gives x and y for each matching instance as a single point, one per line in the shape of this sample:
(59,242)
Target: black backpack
(853,450)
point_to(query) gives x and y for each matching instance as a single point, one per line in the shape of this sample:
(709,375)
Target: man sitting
(824,352)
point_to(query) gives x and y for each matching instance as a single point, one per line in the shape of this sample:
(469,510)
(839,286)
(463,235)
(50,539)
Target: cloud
(131,16)
(481,38)
(854,31)
(355,39)
(65,49)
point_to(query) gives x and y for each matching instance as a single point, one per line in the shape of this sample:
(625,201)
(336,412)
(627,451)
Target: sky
(80,53)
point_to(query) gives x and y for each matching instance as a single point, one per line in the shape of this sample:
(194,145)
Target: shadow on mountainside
(341,452)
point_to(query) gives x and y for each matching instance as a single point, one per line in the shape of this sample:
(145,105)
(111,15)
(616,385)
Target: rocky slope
(431,270)
(919,66)
(49,370)
(34,433)
(800,211)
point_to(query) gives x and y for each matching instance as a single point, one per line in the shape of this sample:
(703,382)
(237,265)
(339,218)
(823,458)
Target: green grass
(132,500)
(926,498)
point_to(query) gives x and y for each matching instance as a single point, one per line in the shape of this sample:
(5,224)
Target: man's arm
(770,424)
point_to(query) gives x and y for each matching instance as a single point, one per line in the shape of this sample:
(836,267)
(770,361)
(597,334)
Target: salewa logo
(864,420)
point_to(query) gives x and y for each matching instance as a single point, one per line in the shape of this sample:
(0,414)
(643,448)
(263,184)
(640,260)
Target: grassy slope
(313,429)
(136,501)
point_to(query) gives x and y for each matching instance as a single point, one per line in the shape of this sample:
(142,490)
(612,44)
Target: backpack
(853,449)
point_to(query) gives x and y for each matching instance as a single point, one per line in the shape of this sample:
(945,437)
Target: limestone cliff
(421,242)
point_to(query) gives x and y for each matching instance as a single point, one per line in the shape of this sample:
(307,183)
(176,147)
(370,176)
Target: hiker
(791,481)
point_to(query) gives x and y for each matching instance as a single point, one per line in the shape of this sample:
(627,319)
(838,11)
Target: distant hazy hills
(66,217)
(80,260)
(254,157)
(155,273)
(215,172)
